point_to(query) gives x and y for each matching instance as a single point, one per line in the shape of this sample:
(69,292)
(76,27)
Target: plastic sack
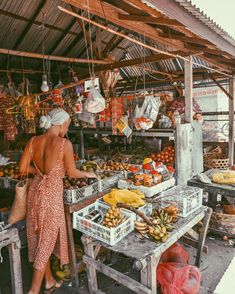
(95,102)
(176,253)
(86,117)
(178,278)
(150,107)
(145,116)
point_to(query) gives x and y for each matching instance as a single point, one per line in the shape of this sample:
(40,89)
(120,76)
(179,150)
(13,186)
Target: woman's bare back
(46,151)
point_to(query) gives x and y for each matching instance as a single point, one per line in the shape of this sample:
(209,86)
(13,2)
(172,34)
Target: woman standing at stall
(48,157)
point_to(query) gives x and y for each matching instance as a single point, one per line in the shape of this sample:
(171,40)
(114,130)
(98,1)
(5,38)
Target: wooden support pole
(188,81)
(51,57)
(231,121)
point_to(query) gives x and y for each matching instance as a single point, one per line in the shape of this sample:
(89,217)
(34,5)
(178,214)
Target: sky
(222,12)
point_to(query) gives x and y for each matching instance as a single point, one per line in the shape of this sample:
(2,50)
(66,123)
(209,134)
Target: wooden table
(69,209)
(146,254)
(213,190)
(10,238)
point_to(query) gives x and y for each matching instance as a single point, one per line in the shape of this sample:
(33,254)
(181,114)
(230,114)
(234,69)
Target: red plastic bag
(178,278)
(176,253)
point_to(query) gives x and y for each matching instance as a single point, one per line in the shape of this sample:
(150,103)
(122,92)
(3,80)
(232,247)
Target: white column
(188,82)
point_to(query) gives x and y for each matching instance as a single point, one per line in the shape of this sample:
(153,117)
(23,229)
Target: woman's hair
(55,117)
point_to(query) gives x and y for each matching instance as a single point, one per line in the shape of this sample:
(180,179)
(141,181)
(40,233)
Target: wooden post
(231,122)
(72,254)
(82,147)
(91,270)
(15,265)
(202,236)
(188,81)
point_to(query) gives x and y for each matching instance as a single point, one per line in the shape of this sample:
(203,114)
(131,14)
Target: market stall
(134,123)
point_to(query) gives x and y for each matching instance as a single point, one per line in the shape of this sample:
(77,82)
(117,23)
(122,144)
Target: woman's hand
(90,175)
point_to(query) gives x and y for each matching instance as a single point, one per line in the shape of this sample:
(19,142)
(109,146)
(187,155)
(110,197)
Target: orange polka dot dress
(46,228)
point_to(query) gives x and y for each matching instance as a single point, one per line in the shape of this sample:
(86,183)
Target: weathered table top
(213,187)
(138,249)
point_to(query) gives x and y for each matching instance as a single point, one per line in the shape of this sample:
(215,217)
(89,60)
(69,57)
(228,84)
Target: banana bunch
(173,211)
(141,227)
(159,233)
(113,217)
(162,216)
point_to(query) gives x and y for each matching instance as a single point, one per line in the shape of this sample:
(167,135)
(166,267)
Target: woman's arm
(25,162)
(70,166)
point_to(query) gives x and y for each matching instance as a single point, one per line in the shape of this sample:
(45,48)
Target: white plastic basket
(148,191)
(76,195)
(188,199)
(109,236)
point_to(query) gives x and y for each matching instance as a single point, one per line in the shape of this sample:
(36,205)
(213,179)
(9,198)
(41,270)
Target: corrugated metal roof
(199,14)
(12,28)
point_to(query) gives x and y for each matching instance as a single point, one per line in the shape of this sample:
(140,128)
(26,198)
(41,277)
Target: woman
(48,157)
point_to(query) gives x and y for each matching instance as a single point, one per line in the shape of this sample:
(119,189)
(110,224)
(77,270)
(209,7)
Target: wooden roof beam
(185,39)
(137,61)
(51,57)
(125,6)
(111,14)
(150,19)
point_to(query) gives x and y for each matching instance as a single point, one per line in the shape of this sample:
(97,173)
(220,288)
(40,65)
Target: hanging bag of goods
(117,110)
(18,210)
(147,114)
(95,102)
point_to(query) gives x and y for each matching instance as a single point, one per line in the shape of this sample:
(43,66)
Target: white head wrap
(56,117)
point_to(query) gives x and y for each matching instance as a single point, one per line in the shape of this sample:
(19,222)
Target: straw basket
(215,159)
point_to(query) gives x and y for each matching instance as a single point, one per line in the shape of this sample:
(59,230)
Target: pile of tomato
(167,155)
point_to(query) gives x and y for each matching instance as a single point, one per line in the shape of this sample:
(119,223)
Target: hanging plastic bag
(147,114)
(152,107)
(86,117)
(95,102)
(137,114)
(176,253)
(178,278)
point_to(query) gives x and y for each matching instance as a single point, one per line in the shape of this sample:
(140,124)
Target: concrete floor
(213,267)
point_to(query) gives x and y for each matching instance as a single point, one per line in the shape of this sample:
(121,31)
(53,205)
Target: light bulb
(44,86)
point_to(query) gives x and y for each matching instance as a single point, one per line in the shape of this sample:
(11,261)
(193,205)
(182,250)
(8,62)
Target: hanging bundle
(117,109)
